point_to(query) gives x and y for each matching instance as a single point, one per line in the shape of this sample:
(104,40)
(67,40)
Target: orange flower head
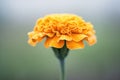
(60,29)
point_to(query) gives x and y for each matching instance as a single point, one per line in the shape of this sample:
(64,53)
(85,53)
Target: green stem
(62,64)
(61,54)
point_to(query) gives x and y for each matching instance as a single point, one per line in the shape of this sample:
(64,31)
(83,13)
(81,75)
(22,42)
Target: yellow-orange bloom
(61,28)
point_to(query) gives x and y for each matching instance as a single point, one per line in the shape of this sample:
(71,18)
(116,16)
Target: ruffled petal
(65,37)
(59,44)
(40,39)
(91,40)
(78,37)
(32,42)
(54,42)
(50,34)
(30,34)
(74,45)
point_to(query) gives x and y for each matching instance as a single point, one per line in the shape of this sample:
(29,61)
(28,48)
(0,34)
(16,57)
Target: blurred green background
(20,61)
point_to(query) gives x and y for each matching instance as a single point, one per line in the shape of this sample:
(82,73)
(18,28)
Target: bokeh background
(20,61)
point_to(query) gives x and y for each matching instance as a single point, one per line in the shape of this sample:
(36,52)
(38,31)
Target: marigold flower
(61,28)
